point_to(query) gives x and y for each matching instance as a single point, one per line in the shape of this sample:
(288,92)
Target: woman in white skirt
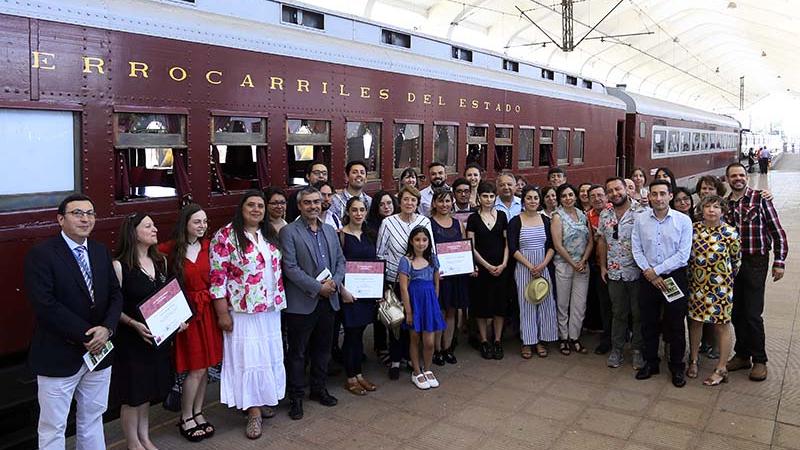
(248,296)
(530,243)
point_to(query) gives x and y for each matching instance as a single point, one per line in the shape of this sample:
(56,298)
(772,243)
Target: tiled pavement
(559,402)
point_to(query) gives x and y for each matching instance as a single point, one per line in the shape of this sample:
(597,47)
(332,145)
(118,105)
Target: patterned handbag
(390,310)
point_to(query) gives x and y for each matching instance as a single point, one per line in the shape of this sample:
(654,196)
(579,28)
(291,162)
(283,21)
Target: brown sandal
(253,429)
(692,369)
(716,378)
(355,388)
(526,352)
(366,384)
(541,350)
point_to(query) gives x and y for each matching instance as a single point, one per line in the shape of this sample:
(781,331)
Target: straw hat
(537,290)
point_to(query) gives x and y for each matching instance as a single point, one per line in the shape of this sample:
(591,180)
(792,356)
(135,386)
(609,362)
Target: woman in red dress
(200,346)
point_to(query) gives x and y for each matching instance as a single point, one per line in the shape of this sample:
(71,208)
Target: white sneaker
(421,381)
(431,379)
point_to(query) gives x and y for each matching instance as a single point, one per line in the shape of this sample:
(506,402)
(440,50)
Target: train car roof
(642,104)
(257,26)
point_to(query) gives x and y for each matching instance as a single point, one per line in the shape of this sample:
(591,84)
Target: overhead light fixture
(717,71)
(763,53)
(731,5)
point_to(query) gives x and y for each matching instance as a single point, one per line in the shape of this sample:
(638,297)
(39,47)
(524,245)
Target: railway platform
(559,402)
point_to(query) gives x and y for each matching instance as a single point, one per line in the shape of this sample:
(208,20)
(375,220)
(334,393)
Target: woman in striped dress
(530,243)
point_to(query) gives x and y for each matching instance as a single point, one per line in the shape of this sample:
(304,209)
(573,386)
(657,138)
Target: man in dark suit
(77,301)
(310,248)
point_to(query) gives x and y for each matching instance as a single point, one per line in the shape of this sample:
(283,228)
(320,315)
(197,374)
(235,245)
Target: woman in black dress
(383,205)
(488,299)
(358,243)
(453,292)
(142,371)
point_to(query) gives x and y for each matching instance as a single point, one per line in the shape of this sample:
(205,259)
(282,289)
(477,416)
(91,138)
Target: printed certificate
(455,258)
(165,311)
(673,291)
(364,279)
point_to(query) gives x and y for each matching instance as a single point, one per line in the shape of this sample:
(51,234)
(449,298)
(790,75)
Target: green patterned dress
(715,259)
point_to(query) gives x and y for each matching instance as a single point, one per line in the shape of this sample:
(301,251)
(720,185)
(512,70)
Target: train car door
(620,151)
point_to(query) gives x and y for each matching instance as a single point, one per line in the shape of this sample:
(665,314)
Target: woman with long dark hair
(142,370)
(248,294)
(383,205)
(200,347)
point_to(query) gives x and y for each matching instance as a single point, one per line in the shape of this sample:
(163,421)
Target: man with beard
(356,172)
(598,306)
(310,251)
(619,270)
(326,216)
(661,243)
(506,200)
(315,173)
(759,229)
(461,207)
(437,175)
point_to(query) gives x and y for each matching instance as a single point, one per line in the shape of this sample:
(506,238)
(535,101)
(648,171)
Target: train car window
(445,146)
(303,17)
(548,74)
(32,142)
(149,148)
(394,38)
(462,54)
(562,146)
(238,153)
(509,65)
(572,80)
(477,145)
(546,147)
(503,148)
(577,146)
(704,141)
(695,141)
(307,142)
(526,147)
(659,141)
(685,144)
(718,141)
(673,141)
(407,147)
(586,84)
(364,143)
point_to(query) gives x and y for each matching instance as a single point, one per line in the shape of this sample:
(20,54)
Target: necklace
(489,221)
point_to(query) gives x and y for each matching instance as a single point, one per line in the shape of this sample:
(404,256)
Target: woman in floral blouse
(248,296)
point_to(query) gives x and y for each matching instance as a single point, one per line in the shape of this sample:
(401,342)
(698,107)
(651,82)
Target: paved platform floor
(572,402)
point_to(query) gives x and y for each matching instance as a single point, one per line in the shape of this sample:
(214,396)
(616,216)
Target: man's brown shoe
(738,363)
(759,372)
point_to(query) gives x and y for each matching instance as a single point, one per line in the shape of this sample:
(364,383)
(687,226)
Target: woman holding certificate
(358,244)
(487,229)
(248,296)
(453,292)
(142,370)
(200,347)
(530,243)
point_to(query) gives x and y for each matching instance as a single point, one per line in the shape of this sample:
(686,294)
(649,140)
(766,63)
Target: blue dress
(363,311)
(422,294)
(453,290)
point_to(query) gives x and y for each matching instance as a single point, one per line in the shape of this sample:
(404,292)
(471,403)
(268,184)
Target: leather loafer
(759,372)
(324,398)
(678,380)
(296,409)
(602,348)
(647,371)
(738,363)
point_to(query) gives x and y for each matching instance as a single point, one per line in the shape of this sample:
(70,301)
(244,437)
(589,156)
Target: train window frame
(20,201)
(572,80)
(510,65)
(685,141)
(223,182)
(299,15)
(673,137)
(461,54)
(453,146)
(587,84)
(482,143)
(527,162)
(320,143)
(376,144)
(420,155)
(573,146)
(134,144)
(506,143)
(395,38)
(548,74)
(559,160)
(546,141)
(658,138)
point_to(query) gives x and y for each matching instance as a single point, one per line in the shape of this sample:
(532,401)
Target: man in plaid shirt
(760,230)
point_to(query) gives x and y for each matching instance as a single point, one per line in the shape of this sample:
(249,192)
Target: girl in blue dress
(418,274)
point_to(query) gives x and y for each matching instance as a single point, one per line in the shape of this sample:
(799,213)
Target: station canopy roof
(692,52)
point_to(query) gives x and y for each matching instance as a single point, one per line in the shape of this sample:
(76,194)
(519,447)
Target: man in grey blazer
(310,248)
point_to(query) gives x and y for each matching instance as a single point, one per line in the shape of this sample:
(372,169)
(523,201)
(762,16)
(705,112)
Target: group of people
(268,296)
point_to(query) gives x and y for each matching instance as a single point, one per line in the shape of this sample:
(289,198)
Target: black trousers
(353,349)
(312,333)
(763,164)
(748,305)
(658,315)
(599,303)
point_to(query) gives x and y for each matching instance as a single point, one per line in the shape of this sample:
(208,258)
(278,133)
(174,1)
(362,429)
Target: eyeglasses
(278,203)
(616,232)
(79,213)
(319,173)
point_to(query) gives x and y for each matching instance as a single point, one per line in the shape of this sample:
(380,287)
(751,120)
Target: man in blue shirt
(661,244)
